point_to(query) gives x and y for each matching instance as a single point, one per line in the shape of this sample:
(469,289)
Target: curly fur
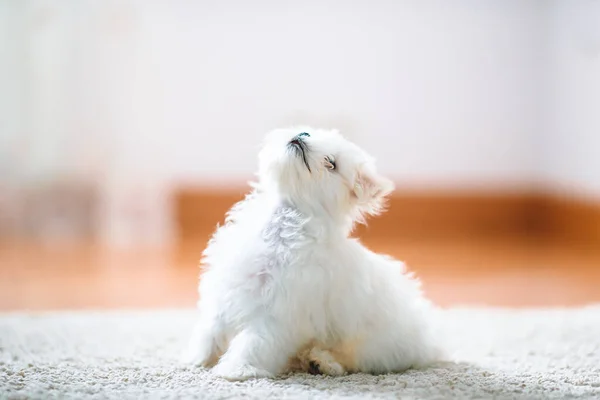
(284,286)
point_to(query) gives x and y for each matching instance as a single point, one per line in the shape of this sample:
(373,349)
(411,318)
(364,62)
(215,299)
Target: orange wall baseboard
(572,220)
(430,214)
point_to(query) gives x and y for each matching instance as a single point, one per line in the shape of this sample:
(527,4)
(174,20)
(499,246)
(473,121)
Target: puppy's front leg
(258,351)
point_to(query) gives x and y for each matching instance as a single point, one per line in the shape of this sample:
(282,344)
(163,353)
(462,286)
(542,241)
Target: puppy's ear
(371,190)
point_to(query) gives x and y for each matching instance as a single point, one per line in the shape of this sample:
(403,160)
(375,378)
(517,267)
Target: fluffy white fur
(285,287)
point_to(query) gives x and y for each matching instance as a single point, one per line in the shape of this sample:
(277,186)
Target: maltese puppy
(284,287)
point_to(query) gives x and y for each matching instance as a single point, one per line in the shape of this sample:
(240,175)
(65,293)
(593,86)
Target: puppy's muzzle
(300,147)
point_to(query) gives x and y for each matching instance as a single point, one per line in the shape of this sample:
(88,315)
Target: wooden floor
(513,272)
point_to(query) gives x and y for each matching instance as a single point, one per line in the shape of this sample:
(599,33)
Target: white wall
(11,85)
(572,132)
(143,95)
(443,93)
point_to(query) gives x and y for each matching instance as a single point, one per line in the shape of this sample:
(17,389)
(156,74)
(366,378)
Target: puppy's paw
(317,362)
(332,369)
(242,372)
(326,367)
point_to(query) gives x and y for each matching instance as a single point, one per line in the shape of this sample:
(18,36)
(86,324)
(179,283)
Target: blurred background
(127,128)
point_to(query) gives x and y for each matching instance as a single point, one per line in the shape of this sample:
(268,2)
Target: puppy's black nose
(297,140)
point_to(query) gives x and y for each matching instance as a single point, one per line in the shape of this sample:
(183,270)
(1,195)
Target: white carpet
(532,354)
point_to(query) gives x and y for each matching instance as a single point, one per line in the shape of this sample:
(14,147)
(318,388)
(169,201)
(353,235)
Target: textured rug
(501,354)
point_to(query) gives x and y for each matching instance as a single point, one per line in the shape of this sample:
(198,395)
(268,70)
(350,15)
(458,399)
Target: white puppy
(285,287)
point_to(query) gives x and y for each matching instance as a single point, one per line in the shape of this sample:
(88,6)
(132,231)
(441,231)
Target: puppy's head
(320,171)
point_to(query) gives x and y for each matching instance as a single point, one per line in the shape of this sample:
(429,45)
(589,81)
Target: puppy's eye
(303,134)
(330,163)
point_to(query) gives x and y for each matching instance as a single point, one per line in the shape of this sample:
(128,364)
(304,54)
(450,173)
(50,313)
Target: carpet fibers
(501,354)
